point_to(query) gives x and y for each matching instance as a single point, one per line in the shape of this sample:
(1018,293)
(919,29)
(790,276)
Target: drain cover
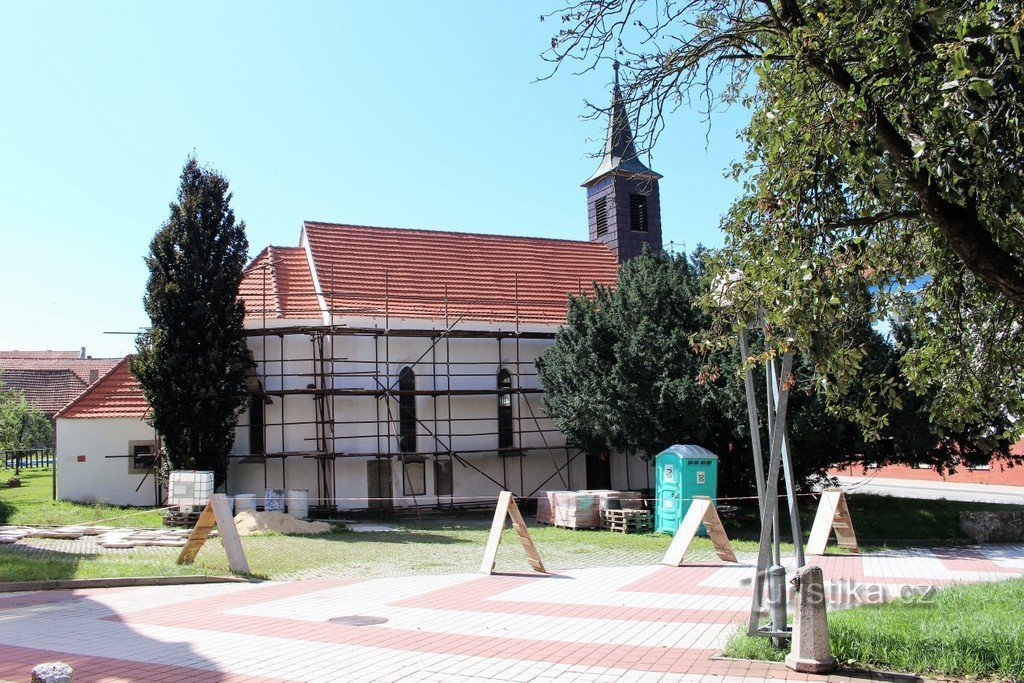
(357,620)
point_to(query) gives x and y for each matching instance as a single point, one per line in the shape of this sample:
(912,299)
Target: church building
(396,367)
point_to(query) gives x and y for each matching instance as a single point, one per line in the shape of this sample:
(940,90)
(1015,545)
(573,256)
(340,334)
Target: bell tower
(623,202)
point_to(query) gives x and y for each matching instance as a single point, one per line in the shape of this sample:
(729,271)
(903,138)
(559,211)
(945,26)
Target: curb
(116,582)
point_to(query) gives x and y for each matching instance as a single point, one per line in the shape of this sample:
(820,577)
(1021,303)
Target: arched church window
(406,410)
(504,409)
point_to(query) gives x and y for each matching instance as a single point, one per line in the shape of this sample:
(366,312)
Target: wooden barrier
(216,514)
(701,511)
(507,508)
(832,514)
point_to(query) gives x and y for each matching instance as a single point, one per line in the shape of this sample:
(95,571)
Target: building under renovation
(397,367)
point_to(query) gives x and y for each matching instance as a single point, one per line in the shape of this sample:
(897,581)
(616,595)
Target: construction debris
(253,522)
(106,536)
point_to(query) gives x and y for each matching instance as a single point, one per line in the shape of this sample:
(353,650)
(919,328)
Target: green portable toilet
(682,472)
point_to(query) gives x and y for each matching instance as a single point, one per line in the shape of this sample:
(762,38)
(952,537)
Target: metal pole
(753,422)
(787,473)
(771,498)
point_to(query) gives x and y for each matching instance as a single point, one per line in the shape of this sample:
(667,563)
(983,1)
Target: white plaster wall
(362,425)
(99,477)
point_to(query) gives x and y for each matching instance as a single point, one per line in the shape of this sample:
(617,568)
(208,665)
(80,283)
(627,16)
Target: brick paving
(600,624)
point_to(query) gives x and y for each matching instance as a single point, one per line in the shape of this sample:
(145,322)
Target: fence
(27,458)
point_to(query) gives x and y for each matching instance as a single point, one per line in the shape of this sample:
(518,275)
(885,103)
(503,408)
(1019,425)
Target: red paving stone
(650,621)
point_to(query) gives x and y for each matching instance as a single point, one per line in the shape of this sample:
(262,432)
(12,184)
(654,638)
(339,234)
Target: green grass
(32,503)
(967,630)
(879,521)
(434,545)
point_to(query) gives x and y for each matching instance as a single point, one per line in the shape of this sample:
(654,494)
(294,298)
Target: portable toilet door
(682,472)
(668,492)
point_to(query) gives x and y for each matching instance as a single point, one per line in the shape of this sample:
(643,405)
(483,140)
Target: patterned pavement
(605,624)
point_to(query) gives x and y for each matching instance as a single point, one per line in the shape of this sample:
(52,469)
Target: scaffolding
(324,376)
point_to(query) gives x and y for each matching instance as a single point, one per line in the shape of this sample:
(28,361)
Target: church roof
(367,271)
(114,395)
(619,149)
(277,284)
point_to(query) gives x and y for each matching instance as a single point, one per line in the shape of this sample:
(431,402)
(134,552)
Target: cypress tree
(192,361)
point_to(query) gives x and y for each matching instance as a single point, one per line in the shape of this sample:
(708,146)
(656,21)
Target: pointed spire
(619,151)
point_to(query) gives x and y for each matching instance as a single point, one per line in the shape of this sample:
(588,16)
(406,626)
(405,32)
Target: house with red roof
(396,367)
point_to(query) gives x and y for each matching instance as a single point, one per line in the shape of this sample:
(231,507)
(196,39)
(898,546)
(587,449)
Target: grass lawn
(435,545)
(32,503)
(968,630)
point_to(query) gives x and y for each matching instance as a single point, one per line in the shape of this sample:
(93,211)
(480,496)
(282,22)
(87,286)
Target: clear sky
(406,114)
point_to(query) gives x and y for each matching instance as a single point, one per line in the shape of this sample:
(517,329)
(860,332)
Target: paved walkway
(621,623)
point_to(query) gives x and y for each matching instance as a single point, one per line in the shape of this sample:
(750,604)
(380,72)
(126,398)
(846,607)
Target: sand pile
(252,522)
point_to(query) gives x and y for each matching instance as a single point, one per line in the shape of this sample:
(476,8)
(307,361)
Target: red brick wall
(999,473)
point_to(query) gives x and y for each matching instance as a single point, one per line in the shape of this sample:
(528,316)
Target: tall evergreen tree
(192,362)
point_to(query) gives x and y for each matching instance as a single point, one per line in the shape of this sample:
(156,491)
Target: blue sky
(407,114)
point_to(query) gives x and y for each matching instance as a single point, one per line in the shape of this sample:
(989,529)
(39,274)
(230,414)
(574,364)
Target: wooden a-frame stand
(701,512)
(507,508)
(832,514)
(216,514)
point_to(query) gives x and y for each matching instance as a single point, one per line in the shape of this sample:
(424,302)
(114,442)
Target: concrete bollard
(52,672)
(810,652)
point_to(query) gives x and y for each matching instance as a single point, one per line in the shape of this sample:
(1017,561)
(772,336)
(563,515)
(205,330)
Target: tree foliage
(883,179)
(623,375)
(192,362)
(22,425)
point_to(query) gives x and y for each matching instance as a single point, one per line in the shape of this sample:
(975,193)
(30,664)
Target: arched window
(406,411)
(504,409)
(256,423)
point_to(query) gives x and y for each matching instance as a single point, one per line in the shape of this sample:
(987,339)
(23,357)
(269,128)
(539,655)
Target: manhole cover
(357,620)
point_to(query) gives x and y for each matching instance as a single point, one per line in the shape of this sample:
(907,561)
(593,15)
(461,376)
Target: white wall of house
(86,468)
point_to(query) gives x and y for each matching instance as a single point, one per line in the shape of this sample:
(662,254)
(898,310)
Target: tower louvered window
(638,212)
(601,218)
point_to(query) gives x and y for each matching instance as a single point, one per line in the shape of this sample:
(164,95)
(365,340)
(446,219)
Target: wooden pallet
(627,521)
(176,517)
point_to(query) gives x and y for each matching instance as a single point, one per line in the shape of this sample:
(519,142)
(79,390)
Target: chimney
(82,354)
(93,376)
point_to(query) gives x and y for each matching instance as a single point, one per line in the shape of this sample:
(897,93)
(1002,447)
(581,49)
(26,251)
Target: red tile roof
(55,360)
(278,284)
(47,390)
(116,394)
(480,275)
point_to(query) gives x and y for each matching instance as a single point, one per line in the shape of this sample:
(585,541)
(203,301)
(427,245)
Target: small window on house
(407,410)
(638,212)
(601,216)
(504,409)
(922,465)
(141,456)
(257,420)
(985,467)
(414,481)
(443,477)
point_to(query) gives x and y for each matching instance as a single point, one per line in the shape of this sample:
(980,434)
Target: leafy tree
(623,375)
(192,362)
(22,425)
(884,179)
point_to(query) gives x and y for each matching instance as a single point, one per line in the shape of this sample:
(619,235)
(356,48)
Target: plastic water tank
(298,503)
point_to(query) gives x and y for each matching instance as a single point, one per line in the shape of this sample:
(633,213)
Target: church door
(599,471)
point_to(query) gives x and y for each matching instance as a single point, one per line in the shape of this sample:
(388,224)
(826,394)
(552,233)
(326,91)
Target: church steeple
(623,202)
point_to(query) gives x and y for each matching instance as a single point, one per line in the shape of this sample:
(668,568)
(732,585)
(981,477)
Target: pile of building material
(616,500)
(627,520)
(106,536)
(575,510)
(253,522)
(546,507)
